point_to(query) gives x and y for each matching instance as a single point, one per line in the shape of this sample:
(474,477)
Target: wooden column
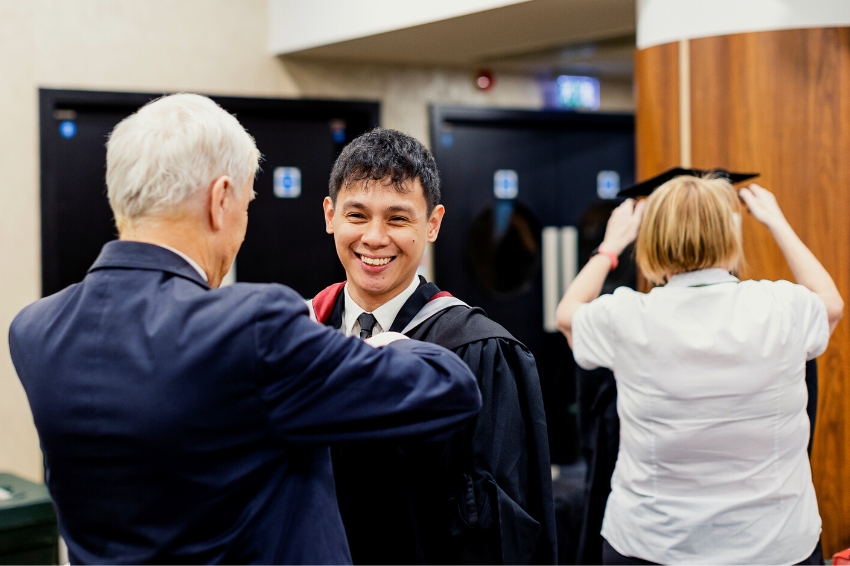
(657,109)
(777,103)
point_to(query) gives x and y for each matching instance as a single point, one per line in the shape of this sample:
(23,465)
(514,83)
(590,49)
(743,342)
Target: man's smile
(374,261)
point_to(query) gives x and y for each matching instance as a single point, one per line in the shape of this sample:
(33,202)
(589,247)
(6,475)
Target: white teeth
(370,261)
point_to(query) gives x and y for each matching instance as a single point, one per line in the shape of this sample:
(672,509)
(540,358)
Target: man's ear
(220,191)
(435,221)
(328,205)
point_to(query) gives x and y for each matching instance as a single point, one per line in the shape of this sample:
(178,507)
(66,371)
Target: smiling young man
(484,494)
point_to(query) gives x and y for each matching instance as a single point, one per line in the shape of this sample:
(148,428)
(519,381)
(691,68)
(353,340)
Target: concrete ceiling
(521,37)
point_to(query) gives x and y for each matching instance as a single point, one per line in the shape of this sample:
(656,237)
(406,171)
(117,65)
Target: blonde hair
(169,150)
(690,223)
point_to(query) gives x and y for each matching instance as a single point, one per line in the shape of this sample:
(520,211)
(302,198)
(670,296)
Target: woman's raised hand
(623,226)
(762,204)
(806,268)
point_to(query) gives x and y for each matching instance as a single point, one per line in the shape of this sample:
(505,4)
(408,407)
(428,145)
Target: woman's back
(711,396)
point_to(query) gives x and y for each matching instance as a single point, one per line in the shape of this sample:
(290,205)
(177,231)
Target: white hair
(171,149)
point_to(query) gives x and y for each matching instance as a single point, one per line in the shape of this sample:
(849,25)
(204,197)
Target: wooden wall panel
(656,110)
(772,102)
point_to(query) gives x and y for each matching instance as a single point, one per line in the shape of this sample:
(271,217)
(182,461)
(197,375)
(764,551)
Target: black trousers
(611,556)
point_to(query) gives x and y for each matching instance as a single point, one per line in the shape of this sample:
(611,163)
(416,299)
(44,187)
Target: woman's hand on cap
(762,204)
(623,226)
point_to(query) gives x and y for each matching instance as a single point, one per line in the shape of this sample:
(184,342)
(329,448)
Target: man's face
(245,197)
(236,223)
(380,236)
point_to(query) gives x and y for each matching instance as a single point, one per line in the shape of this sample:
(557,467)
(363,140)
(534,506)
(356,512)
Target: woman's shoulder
(780,291)
(626,292)
(777,286)
(778,283)
(623,294)
(610,302)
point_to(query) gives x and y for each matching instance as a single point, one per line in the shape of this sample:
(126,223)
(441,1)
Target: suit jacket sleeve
(319,387)
(506,507)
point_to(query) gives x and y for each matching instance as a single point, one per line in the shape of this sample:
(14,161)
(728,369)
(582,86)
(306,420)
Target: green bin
(28,531)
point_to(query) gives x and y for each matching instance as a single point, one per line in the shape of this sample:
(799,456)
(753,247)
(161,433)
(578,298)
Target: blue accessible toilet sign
(68,129)
(505,184)
(607,184)
(287,182)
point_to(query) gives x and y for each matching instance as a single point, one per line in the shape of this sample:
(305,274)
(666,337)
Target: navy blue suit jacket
(184,424)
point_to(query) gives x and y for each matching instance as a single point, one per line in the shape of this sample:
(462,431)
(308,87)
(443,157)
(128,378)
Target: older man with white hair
(186,423)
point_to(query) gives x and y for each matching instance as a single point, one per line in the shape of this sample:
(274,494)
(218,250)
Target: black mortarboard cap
(645,188)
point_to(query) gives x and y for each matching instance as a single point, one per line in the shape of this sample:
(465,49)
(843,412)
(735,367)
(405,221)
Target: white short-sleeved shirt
(710,374)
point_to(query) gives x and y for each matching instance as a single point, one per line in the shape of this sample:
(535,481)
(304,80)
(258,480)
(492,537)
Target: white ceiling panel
(511,30)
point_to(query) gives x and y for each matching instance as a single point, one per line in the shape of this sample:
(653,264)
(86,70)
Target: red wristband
(611,255)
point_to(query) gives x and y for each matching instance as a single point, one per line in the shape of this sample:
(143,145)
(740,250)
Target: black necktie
(367,323)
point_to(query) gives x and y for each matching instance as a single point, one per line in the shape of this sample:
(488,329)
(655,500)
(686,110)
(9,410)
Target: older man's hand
(385,338)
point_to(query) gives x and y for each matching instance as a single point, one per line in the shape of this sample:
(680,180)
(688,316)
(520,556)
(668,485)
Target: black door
(285,242)
(513,181)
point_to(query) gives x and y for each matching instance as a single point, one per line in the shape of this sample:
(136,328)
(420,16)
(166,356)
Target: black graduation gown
(481,496)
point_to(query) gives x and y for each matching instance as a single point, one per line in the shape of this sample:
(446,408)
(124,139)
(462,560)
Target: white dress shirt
(710,373)
(384,314)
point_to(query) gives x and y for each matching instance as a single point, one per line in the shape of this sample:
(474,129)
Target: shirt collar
(189,260)
(384,314)
(710,276)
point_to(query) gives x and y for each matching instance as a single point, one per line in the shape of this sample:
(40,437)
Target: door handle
(551,277)
(560,265)
(569,256)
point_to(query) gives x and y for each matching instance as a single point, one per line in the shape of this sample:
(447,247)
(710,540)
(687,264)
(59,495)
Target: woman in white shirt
(712,466)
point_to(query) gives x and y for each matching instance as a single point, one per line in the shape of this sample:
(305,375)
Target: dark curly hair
(387,154)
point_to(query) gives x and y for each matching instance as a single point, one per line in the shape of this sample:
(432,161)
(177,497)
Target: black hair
(387,155)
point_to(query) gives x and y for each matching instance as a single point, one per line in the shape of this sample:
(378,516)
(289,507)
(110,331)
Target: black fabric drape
(812,404)
(599,434)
